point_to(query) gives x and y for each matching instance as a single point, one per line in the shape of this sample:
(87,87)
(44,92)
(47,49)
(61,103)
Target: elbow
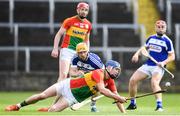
(173,58)
(102,91)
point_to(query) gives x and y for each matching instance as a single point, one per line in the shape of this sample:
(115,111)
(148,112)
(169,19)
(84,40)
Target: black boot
(131,107)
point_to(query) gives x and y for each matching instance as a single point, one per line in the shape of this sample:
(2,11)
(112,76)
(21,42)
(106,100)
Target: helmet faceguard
(113,76)
(113,64)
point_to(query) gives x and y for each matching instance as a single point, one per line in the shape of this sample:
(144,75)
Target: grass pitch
(146,106)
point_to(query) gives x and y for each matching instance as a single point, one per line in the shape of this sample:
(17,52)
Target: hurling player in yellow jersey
(74,90)
(74,30)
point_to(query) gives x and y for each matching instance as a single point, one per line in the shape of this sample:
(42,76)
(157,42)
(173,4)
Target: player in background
(74,30)
(160,47)
(74,90)
(84,62)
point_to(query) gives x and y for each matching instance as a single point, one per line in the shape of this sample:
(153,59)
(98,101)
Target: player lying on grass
(74,90)
(84,62)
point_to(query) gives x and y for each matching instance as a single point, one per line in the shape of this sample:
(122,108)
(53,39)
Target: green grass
(146,106)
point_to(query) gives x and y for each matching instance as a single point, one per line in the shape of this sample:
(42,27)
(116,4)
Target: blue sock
(159,104)
(133,101)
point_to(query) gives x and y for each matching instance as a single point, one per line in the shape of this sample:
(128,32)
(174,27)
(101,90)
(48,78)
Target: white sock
(19,105)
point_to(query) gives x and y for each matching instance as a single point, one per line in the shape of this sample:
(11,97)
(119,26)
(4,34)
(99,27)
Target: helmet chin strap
(112,76)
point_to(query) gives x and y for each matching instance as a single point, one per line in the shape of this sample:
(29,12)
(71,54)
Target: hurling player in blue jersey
(160,47)
(83,62)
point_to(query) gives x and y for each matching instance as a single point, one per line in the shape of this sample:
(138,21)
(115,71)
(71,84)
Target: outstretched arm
(87,40)
(112,95)
(74,72)
(120,105)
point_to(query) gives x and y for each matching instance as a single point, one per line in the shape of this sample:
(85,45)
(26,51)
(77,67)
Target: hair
(160,22)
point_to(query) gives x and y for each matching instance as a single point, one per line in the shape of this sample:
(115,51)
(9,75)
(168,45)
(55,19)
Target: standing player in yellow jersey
(78,89)
(74,30)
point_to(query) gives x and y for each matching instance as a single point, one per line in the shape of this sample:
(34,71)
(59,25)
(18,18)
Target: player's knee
(132,81)
(42,96)
(62,76)
(154,84)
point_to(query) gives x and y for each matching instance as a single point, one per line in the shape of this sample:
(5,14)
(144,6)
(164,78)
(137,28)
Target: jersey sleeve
(73,64)
(90,28)
(89,25)
(147,42)
(98,64)
(74,61)
(97,76)
(67,23)
(111,85)
(170,47)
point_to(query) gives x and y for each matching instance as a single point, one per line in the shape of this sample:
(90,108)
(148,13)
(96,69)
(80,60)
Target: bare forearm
(121,107)
(139,50)
(88,44)
(87,40)
(108,93)
(58,36)
(170,58)
(56,41)
(114,95)
(74,72)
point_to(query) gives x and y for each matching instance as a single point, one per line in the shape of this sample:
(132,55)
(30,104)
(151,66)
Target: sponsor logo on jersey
(155,48)
(86,26)
(83,66)
(77,32)
(76,24)
(157,42)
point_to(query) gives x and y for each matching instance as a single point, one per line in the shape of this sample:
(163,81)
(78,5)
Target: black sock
(23,103)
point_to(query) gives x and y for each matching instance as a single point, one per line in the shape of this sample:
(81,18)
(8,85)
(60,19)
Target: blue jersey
(93,62)
(158,47)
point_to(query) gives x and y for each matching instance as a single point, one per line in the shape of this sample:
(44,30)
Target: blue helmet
(113,64)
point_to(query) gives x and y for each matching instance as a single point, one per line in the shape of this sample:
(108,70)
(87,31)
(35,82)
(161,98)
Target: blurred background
(120,27)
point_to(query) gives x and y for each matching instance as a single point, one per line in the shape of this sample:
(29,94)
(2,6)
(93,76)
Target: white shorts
(63,89)
(150,70)
(67,54)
